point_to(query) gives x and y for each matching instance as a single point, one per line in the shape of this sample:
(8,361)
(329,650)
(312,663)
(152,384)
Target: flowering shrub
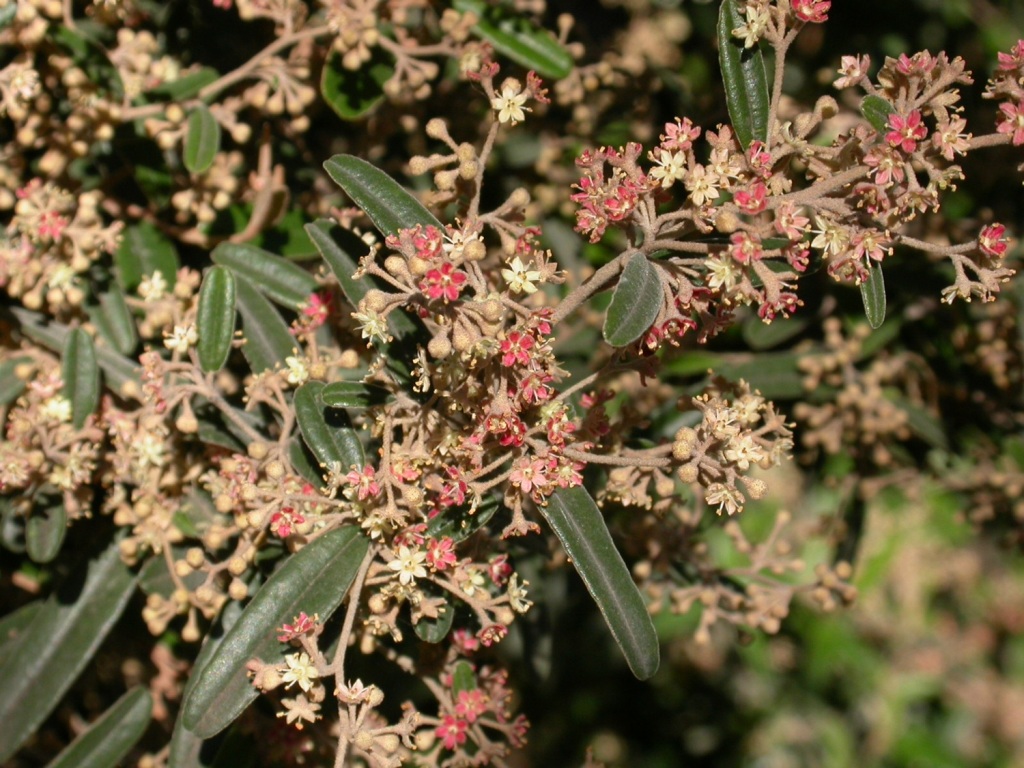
(344,434)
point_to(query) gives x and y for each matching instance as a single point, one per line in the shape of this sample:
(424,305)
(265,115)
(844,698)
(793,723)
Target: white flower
(517,594)
(300,670)
(509,105)
(153,287)
(671,168)
(56,409)
(474,581)
(297,370)
(722,273)
(702,185)
(409,565)
(520,278)
(372,326)
(181,338)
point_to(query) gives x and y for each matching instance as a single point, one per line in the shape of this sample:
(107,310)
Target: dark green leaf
(877,110)
(872,293)
(327,432)
(145,250)
(637,300)
(921,421)
(353,95)
(353,394)
(745,78)
(576,520)
(283,281)
(342,249)
(314,580)
(436,630)
(460,523)
(11,386)
(106,742)
(58,643)
(382,198)
(202,140)
(113,320)
(215,318)
(760,335)
(186,748)
(45,529)
(515,37)
(267,338)
(776,375)
(81,375)
(14,623)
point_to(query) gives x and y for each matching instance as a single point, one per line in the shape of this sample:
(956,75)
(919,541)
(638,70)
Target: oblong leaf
(436,630)
(342,249)
(744,77)
(108,740)
(45,530)
(267,338)
(352,394)
(576,520)
(186,86)
(81,374)
(518,39)
(202,140)
(113,320)
(876,111)
(353,95)
(11,386)
(389,206)
(145,250)
(60,640)
(314,580)
(283,281)
(872,294)
(328,432)
(637,300)
(215,318)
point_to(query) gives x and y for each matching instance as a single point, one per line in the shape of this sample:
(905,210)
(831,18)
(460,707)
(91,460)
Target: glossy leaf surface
(745,78)
(215,318)
(637,300)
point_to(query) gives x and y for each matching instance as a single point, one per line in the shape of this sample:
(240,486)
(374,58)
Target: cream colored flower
(520,277)
(509,105)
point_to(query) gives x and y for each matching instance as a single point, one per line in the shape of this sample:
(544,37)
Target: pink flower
(813,11)
(304,623)
(317,309)
(993,241)
(443,283)
(1015,58)
(921,63)
(516,348)
(364,481)
(753,200)
(745,247)
(680,135)
(441,553)
(906,131)
(1012,121)
(492,634)
(852,69)
(428,241)
(471,704)
(452,731)
(499,570)
(282,522)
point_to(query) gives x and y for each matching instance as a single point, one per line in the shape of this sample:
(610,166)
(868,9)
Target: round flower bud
(182,569)
(439,347)
(727,222)
(195,557)
(275,470)
(258,450)
(376,696)
(377,603)
(223,503)
(388,742)
(375,301)
(425,739)
(688,473)
(756,487)
(238,590)
(237,565)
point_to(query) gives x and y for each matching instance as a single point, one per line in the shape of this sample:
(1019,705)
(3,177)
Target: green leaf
(463,522)
(637,300)
(335,245)
(7,14)
(389,206)
(744,77)
(576,520)
(81,375)
(760,335)
(106,742)
(353,394)
(327,432)
(186,87)
(58,643)
(113,320)
(921,421)
(145,250)
(353,95)
(186,748)
(872,293)
(314,580)
(215,318)
(267,338)
(436,630)
(518,39)
(45,529)
(11,386)
(463,678)
(202,140)
(281,280)
(14,623)
(876,111)
(118,370)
